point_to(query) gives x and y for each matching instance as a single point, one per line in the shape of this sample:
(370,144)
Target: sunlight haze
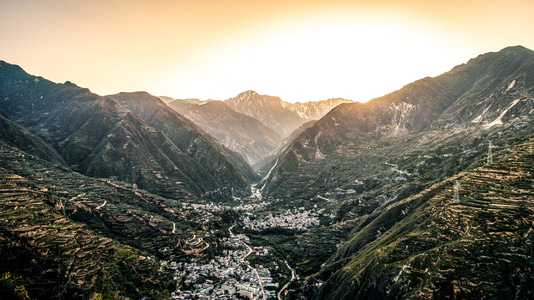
(297,50)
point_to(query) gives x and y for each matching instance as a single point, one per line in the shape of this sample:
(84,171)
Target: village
(228,276)
(296,219)
(234,274)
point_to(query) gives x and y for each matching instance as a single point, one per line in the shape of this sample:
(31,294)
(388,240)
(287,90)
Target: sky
(298,50)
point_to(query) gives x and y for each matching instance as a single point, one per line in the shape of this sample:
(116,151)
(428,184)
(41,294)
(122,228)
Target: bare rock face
(316,109)
(269,110)
(281,116)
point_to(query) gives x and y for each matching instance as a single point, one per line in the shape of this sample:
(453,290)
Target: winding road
(293,277)
(102,205)
(260,282)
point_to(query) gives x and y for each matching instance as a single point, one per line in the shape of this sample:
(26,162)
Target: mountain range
(427,192)
(251,124)
(149,145)
(240,133)
(455,113)
(392,150)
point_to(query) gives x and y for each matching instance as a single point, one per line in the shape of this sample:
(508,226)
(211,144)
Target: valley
(190,242)
(424,193)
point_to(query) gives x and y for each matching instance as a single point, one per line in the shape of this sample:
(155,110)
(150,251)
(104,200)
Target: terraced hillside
(52,257)
(68,236)
(435,245)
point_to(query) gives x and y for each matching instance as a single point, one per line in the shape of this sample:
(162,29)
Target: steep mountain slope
(281,116)
(413,132)
(268,110)
(64,235)
(182,106)
(240,133)
(18,137)
(363,161)
(251,124)
(314,110)
(263,166)
(472,244)
(99,137)
(166,99)
(228,168)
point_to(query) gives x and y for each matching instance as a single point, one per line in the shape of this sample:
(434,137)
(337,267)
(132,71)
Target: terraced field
(67,236)
(431,246)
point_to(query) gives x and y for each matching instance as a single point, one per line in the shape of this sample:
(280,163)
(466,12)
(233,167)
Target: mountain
(280,116)
(166,99)
(251,124)
(448,118)
(264,166)
(423,193)
(224,165)
(238,132)
(316,109)
(386,170)
(475,243)
(99,137)
(18,137)
(269,110)
(64,235)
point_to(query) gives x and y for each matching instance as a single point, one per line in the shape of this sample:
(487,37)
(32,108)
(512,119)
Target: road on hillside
(293,277)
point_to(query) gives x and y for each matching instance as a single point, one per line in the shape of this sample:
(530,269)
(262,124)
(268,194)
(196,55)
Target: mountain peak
(253,96)
(516,48)
(250,93)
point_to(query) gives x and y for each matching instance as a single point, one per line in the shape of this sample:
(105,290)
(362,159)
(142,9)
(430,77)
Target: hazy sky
(295,49)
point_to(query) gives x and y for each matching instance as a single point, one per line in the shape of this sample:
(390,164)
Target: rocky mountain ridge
(316,109)
(281,116)
(251,124)
(368,160)
(223,164)
(420,114)
(99,137)
(240,133)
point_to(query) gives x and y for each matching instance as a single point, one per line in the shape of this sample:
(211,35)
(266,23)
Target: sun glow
(300,50)
(306,59)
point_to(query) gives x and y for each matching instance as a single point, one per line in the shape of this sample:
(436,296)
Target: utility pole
(490,155)
(456,192)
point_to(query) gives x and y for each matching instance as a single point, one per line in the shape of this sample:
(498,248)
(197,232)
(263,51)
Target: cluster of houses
(229,276)
(214,207)
(296,219)
(244,207)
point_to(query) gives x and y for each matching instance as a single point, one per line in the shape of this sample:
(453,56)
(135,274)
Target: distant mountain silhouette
(241,133)
(252,124)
